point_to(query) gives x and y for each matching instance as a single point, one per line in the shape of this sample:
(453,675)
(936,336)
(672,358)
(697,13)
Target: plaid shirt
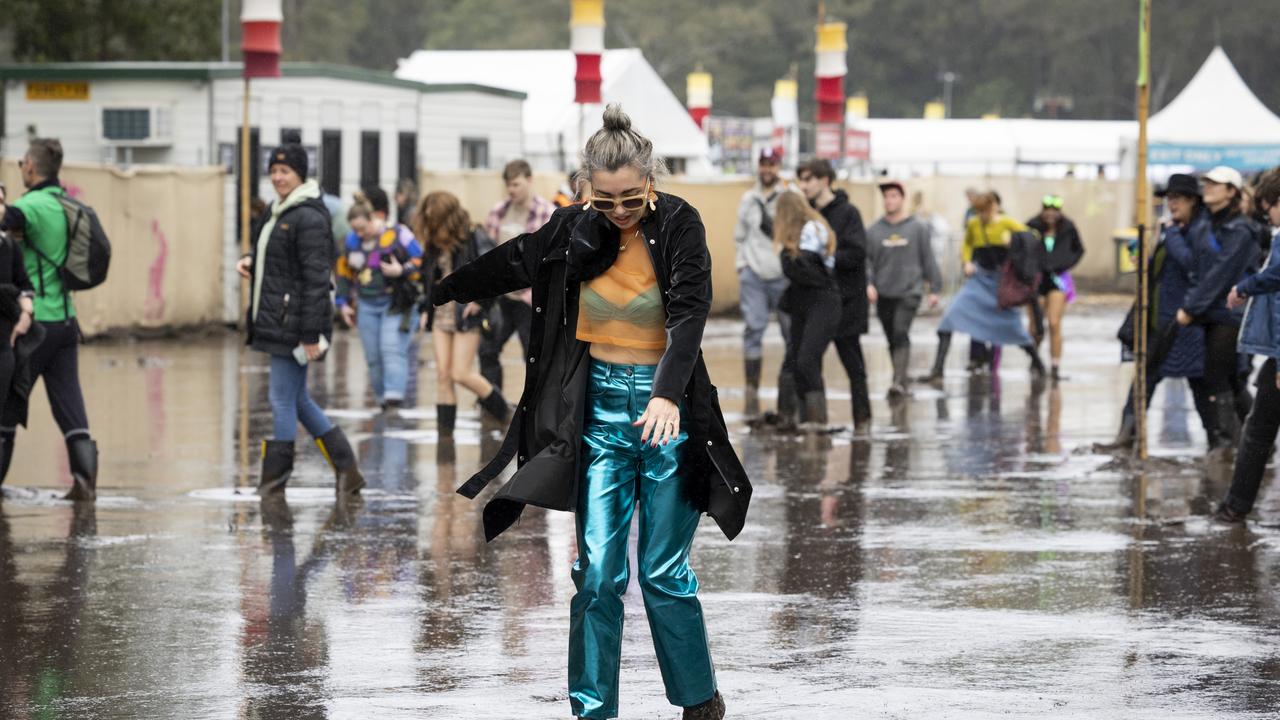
(539,214)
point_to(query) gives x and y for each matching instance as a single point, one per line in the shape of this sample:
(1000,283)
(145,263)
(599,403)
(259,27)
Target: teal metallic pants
(619,474)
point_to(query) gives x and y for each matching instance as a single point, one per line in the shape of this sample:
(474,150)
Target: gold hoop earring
(586,205)
(653,205)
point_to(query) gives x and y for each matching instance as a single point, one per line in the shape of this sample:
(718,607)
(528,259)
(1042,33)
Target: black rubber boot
(6,454)
(815,411)
(751,393)
(1037,365)
(788,401)
(82,456)
(935,375)
(1124,437)
(900,358)
(277,466)
(712,709)
(496,406)
(446,418)
(336,449)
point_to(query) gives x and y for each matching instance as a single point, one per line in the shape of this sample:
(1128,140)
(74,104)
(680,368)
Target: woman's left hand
(661,421)
(1184,318)
(471,309)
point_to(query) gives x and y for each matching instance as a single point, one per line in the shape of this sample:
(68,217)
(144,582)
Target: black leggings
(1221,361)
(849,348)
(1257,442)
(813,326)
(516,319)
(7,360)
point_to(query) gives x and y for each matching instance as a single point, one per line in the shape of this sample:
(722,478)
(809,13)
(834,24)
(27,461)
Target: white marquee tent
(1215,120)
(553,123)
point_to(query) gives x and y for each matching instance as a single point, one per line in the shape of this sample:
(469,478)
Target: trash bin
(1126,240)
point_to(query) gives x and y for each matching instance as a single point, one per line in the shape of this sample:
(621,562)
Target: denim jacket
(1260,333)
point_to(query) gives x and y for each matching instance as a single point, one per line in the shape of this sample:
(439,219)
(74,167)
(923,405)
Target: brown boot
(712,709)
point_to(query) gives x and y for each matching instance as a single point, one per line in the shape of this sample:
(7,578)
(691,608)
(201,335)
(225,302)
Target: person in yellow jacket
(975,310)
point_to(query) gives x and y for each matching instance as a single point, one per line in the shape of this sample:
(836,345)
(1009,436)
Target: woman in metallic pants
(618,418)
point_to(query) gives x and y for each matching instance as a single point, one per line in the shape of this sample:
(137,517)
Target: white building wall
(448,117)
(75,122)
(317,104)
(207,115)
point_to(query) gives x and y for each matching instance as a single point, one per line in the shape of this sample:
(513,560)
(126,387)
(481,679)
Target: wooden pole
(1142,208)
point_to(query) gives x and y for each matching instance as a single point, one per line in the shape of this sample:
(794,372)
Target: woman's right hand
(348,315)
(245,267)
(422,322)
(970,269)
(873,295)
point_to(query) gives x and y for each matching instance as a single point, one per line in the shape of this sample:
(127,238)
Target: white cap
(1224,175)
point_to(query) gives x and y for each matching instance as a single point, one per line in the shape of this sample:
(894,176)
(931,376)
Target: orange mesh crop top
(623,305)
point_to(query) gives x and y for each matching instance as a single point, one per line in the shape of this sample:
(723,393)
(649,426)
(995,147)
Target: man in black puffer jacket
(815,178)
(291,318)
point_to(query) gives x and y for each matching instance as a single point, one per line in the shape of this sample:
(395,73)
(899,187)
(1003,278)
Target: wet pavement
(972,559)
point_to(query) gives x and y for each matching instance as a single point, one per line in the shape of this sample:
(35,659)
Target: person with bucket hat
(1224,255)
(1175,351)
(290,318)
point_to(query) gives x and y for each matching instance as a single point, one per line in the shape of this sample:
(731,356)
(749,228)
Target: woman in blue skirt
(975,310)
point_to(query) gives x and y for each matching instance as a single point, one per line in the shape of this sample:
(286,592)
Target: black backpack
(88,249)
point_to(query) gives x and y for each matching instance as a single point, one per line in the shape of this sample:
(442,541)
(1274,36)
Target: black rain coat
(546,430)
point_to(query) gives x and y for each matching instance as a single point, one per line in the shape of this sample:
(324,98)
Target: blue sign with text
(1240,157)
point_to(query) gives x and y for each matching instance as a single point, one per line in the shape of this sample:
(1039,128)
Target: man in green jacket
(38,220)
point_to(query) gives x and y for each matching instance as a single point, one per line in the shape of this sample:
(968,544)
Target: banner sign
(857,145)
(1240,157)
(826,144)
(57,91)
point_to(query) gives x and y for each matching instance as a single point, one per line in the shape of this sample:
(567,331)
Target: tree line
(1018,58)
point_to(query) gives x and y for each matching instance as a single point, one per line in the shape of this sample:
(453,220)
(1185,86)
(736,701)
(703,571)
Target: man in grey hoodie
(899,261)
(760,278)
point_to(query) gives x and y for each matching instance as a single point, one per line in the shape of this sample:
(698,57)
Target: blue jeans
(619,474)
(759,299)
(287,391)
(386,347)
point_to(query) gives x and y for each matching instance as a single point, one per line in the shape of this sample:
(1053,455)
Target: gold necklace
(622,246)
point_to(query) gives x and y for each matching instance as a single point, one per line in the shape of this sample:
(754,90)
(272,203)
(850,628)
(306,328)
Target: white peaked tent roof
(1196,115)
(546,76)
